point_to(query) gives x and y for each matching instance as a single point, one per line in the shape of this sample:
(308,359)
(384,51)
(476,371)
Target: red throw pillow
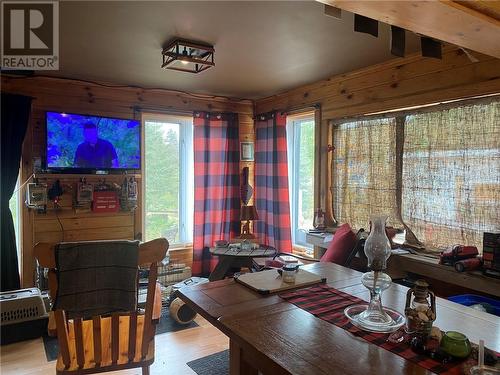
(342,244)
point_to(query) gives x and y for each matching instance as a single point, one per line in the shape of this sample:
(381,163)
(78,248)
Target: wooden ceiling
(473,24)
(489,8)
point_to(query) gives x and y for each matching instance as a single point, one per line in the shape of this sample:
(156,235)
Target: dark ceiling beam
(448,21)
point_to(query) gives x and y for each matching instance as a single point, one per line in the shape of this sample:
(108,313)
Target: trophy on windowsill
(374,316)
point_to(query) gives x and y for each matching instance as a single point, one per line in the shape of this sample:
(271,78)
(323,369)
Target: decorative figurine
(374,317)
(319,219)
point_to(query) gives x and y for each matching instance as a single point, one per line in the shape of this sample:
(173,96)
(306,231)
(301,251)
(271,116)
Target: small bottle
(289,272)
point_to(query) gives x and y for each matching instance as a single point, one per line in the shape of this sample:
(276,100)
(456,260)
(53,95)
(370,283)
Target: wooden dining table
(272,336)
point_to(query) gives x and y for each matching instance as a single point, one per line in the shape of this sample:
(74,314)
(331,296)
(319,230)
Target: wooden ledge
(400,265)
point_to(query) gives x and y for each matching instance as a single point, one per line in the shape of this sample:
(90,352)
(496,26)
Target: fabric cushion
(343,242)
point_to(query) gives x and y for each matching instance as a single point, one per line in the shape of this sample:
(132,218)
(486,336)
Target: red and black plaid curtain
(271,182)
(216,185)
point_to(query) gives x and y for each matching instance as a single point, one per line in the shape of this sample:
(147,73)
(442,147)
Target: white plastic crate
(21,305)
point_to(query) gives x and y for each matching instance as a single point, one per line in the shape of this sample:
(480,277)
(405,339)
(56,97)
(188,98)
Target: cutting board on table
(270,281)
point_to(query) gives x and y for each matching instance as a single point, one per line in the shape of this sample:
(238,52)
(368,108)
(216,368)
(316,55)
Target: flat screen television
(82,143)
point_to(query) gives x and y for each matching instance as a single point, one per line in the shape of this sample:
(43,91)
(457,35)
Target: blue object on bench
(491,305)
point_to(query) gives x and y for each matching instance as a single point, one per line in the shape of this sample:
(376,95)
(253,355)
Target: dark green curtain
(15,114)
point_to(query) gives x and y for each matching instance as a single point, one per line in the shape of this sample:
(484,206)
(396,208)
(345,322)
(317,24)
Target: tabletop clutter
(411,331)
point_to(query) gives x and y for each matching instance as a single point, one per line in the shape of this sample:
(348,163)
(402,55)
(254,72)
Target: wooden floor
(173,350)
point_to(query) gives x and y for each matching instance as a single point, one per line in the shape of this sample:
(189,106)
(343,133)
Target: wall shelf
(63,176)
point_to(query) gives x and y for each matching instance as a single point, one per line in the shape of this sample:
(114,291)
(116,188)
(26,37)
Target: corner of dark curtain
(15,115)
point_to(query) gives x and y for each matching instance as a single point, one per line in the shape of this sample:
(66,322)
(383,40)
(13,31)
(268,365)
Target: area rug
(166,324)
(213,364)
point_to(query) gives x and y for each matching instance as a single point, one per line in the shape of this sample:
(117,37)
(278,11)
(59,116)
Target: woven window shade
(364,171)
(451,174)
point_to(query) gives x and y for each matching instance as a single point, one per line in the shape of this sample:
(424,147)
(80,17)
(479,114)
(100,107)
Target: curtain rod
(426,108)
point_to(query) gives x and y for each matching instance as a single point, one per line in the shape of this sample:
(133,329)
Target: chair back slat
(115,337)
(132,335)
(148,330)
(96,333)
(80,356)
(150,253)
(62,336)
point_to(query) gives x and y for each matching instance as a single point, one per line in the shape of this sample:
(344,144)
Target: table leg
(220,270)
(237,365)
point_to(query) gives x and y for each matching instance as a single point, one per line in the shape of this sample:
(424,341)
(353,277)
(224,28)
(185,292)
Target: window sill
(302,250)
(180,246)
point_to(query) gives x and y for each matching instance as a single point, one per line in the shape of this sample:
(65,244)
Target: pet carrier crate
(23,315)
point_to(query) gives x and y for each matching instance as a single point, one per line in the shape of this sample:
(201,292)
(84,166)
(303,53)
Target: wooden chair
(100,344)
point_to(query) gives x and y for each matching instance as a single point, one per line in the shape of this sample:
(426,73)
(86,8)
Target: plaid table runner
(329,303)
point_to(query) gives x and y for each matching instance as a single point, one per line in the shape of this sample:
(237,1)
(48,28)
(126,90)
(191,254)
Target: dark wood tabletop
(276,337)
(232,257)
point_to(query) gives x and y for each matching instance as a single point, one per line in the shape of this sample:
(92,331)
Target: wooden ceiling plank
(447,21)
(487,7)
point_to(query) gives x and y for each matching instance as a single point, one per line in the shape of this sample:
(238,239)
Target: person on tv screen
(95,152)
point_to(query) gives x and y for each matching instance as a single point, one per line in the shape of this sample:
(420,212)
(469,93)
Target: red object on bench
(341,246)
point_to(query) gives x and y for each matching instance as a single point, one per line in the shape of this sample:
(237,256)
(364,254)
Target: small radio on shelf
(84,192)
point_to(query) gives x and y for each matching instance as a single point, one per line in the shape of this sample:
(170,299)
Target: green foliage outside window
(306,175)
(162,172)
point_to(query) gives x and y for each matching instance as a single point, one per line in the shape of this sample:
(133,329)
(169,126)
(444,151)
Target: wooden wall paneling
(448,21)
(120,233)
(181,256)
(50,223)
(474,80)
(487,7)
(390,80)
(117,99)
(74,96)
(247,134)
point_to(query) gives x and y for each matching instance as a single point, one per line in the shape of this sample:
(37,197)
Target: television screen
(93,143)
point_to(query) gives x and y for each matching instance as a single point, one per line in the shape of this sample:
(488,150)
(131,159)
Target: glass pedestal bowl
(373,316)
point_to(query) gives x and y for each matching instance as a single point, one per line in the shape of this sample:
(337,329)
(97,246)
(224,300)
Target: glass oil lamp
(373,316)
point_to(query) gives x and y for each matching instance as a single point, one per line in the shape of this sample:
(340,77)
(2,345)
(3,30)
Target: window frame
(186,178)
(293,131)
(399,115)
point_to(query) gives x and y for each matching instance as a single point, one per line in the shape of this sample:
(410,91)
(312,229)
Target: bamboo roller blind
(447,188)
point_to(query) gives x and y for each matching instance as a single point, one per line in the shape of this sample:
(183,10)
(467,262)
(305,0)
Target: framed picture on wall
(246,151)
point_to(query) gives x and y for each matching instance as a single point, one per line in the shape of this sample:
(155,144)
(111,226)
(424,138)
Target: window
(364,171)
(451,174)
(435,171)
(300,139)
(168,178)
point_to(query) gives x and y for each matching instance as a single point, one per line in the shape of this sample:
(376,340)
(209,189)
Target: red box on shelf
(105,201)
